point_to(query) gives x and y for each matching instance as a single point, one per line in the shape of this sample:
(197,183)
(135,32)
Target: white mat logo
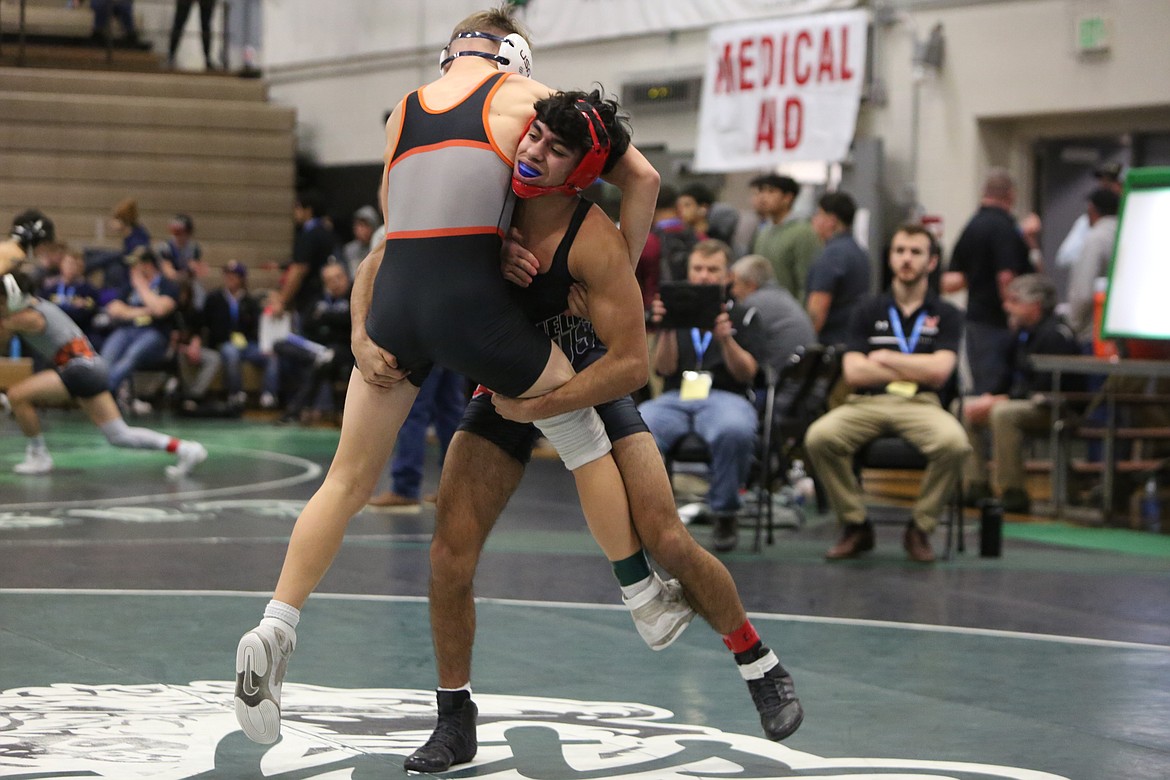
(188,732)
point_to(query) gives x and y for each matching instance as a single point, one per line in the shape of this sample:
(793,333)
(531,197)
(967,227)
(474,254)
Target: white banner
(781,90)
(568,21)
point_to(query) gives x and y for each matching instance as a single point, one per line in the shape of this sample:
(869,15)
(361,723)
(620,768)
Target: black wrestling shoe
(453,740)
(775,698)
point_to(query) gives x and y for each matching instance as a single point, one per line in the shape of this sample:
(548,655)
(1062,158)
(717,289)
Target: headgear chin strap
(16,298)
(515,55)
(586,171)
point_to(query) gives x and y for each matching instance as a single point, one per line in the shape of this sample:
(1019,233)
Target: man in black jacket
(232,317)
(1014,410)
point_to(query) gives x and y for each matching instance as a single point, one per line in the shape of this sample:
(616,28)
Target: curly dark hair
(560,114)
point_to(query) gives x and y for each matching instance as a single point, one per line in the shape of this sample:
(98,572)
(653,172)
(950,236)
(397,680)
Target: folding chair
(895,453)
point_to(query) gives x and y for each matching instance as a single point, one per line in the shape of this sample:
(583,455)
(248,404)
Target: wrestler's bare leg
(599,485)
(369,427)
(708,584)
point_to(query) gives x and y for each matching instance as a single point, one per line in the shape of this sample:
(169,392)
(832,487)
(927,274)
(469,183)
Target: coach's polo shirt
(871,328)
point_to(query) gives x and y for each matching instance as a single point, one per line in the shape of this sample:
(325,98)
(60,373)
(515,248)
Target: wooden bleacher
(77,137)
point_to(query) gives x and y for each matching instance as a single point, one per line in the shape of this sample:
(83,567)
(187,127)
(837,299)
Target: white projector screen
(1138,304)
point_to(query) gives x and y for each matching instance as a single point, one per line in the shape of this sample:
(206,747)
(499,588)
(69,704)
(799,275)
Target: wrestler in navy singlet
(545,302)
(439,296)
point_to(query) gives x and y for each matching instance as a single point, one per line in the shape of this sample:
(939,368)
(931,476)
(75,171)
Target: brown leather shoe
(856,539)
(917,544)
(392,502)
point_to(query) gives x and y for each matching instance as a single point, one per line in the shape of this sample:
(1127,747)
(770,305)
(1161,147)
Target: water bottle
(990,528)
(1151,507)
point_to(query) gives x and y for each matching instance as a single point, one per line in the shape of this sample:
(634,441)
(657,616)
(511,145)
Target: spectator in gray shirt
(787,326)
(1096,254)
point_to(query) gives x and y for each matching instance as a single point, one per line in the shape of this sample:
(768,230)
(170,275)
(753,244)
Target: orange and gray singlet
(439,296)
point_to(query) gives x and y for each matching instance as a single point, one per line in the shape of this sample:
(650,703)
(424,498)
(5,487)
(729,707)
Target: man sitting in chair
(709,374)
(901,350)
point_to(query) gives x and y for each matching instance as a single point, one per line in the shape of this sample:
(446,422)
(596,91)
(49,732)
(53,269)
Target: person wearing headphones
(443,301)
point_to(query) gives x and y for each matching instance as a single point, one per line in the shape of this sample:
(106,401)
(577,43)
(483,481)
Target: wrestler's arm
(598,259)
(25,321)
(638,181)
(376,365)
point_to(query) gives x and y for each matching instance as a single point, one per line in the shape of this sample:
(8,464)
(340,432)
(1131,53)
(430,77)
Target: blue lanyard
(896,323)
(701,344)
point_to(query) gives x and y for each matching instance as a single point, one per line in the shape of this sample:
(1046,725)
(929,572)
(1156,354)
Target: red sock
(173,445)
(742,639)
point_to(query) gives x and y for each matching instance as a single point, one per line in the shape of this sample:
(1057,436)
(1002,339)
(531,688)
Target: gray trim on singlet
(449,187)
(59,330)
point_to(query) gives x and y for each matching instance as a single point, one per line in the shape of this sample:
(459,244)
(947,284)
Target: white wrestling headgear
(515,55)
(16,298)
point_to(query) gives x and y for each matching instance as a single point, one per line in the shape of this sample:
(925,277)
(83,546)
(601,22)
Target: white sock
(281,611)
(37,443)
(629,591)
(464,687)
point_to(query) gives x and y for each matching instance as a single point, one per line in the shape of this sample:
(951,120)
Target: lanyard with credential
(701,343)
(907,347)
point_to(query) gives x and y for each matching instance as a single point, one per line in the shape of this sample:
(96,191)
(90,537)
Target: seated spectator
(709,376)
(901,350)
(787,326)
(181,257)
(839,277)
(72,292)
(142,320)
(319,355)
(198,364)
(1030,304)
(366,234)
(123,224)
(232,317)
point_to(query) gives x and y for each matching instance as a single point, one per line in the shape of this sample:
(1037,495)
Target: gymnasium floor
(122,597)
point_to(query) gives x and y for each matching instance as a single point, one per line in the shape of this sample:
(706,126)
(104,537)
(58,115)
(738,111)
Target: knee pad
(579,437)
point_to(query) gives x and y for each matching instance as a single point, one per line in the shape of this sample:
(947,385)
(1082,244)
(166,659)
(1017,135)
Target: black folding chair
(895,453)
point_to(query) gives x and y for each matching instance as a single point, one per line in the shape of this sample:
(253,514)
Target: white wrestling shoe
(191,454)
(35,462)
(261,660)
(660,612)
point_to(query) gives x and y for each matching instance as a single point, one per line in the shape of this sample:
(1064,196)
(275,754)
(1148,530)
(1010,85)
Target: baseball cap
(235,267)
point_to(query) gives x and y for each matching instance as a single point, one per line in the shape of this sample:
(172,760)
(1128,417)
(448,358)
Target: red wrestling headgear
(586,171)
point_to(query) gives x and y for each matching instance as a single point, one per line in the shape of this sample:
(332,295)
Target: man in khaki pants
(901,349)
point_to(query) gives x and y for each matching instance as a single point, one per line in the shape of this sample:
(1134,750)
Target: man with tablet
(709,359)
